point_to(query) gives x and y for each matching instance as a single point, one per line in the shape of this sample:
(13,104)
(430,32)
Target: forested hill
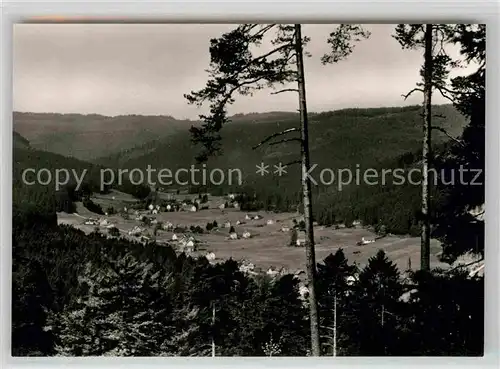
(117,139)
(19,141)
(86,137)
(338,139)
(380,138)
(45,197)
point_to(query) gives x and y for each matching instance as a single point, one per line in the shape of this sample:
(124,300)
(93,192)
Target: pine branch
(411,92)
(447,134)
(263,30)
(296,139)
(267,139)
(292,162)
(443,91)
(285,90)
(464,265)
(257,59)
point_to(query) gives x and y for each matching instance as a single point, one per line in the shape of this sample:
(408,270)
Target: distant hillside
(380,139)
(19,141)
(338,139)
(351,138)
(90,136)
(44,195)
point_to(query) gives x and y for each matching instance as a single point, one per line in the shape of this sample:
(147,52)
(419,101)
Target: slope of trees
(28,192)
(80,295)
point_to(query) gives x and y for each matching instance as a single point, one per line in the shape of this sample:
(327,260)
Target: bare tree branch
(292,163)
(296,139)
(264,30)
(412,91)
(436,116)
(479,214)
(447,134)
(267,139)
(443,91)
(285,90)
(464,265)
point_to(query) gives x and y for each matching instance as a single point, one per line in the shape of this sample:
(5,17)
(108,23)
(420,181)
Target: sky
(119,69)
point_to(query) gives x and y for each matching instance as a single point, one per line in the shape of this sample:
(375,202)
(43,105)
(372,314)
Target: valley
(267,247)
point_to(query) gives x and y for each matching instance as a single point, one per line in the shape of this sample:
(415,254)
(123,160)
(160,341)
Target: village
(215,227)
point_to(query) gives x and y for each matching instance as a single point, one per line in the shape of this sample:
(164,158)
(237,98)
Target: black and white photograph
(256,190)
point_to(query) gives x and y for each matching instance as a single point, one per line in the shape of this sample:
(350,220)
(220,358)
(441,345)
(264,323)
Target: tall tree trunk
(213,330)
(426,152)
(306,189)
(335,325)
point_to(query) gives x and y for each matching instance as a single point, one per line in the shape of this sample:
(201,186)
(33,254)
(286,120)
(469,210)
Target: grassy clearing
(268,245)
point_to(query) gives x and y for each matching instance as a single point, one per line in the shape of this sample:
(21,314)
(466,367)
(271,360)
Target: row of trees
(87,295)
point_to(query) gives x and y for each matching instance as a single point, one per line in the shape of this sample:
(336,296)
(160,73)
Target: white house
(227,225)
(303,291)
(270,222)
(301,241)
(188,247)
(285,229)
(238,222)
(257,217)
(246,267)
(192,209)
(150,207)
(174,237)
(405,297)
(222,206)
(246,234)
(364,241)
(103,222)
(232,196)
(155,211)
(210,256)
(233,236)
(167,226)
(169,208)
(236,205)
(135,231)
(351,280)
(247,217)
(272,273)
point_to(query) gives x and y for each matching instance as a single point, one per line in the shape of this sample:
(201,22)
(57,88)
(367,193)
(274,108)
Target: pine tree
(123,312)
(235,69)
(458,229)
(373,323)
(333,288)
(435,73)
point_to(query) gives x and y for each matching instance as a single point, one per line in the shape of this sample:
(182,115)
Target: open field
(268,245)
